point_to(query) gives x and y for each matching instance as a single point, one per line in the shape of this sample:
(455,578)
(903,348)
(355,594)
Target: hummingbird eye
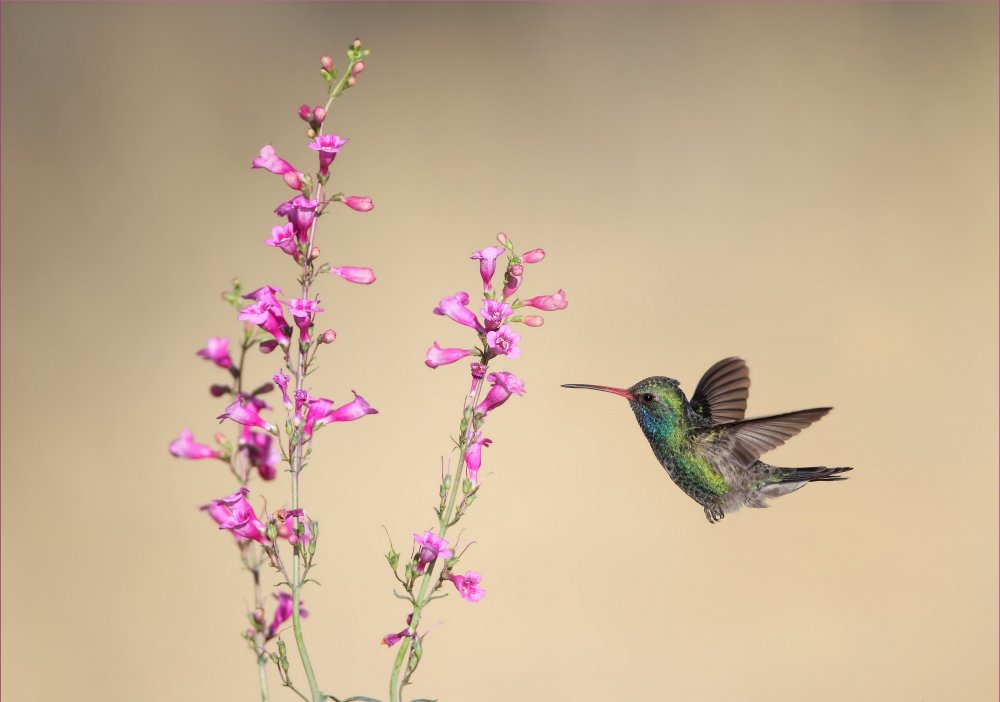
(648,397)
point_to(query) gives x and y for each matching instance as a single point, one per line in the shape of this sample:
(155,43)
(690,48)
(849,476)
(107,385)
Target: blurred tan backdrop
(812,187)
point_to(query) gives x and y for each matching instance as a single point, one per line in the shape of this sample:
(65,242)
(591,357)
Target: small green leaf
(361,698)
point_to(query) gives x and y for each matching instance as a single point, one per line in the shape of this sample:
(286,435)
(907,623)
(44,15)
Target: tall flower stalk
(433,559)
(262,443)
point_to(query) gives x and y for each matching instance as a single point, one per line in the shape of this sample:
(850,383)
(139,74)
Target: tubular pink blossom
(328,146)
(515,274)
(432,547)
(220,514)
(360,204)
(318,408)
(265,293)
(286,530)
(468,586)
(217,351)
(301,212)
(281,380)
(353,274)
(495,313)
(474,456)
(533,320)
(454,307)
(293,179)
(261,452)
(241,519)
(503,342)
(548,303)
(533,256)
(302,312)
(504,385)
(187,447)
(478,372)
(391,640)
(355,409)
(437,356)
(247,415)
(270,161)
(282,613)
(283,238)
(270,318)
(488,264)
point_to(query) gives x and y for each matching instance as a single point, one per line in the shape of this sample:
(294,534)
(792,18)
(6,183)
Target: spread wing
(745,441)
(721,395)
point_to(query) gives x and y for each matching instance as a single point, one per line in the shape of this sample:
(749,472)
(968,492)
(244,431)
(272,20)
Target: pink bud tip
(517,269)
(351,82)
(293,180)
(293,539)
(319,114)
(219,437)
(533,256)
(328,337)
(356,43)
(326,62)
(502,238)
(358,67)
(305,113)
(314,254)
(361,204)
(534,321)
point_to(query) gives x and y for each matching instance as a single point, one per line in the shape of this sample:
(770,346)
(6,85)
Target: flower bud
(533,320)
(305,113)
(219,390)
(359,204)
(248,633)
(533,256)
(311,133)
(258,615)
(268,346)
(293,539)
(356,44)
(319,114)
(272,531)
(351,82)
(314,254)
(502,238)
(328,337)
(326,62)
(293,180)
(358,67)
(282,651)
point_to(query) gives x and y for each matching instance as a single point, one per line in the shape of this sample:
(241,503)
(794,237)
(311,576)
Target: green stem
(262,676)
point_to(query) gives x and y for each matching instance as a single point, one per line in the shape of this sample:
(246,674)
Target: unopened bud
(272,531)
(356,44)
(282,651)
(319,114)
(326,62)
(305,113)
(284,664)
(258,615)
(311,133)
(351,82)
(293,180)
(533,256)
(328,337)
(314,254)
(358,67)
(293,539)
(248,633)
(533,320)
(502,238)
(268,346)
(219,390)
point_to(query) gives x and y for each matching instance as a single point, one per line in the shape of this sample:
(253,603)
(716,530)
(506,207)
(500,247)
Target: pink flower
(533,256)
(495,312)
(468,585)
(318,408)
(474,456)
(360,204)
(186,447)
(431,546)
(305,113)
(514,277)
(454,306)
(320,412)
(270,318)
(262,454)
(533,320)
(247,415)
(283,612)
(478,371)
(328,146)
(488,264)
(437,356)
(265,293)
(217,351)
(363,276)
(281,380)
(548,303)
(393,639)
(286,530)
(301,212)
(504,385)
(503,342)
(303,312)
(220,513)
(236,514)
(284,238)
(269,160)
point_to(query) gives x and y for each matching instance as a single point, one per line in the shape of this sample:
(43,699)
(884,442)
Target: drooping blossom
(548,303)
(262,453)
(301,212)
(533,320)
(303,312)
(503,342)
(265,293)
(474,456)
(391,640)
(321,412)
(431,546)
(237,515)
(504,385)
(284,238)
(318,407)
(533,256)
(268,317)
(495,312)
(454,307)
(328,145)
(217,351)
(246,413)
(353,274)
(515,274)
(488,264)
(360,204)
(221,514)
(270,161)
(187,447)
(437,356)
(283,612)
(281,379)
(468,585)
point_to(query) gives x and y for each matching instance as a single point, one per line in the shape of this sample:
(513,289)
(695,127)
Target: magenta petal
(353,274)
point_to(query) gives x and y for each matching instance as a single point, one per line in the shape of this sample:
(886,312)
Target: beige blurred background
(812,187)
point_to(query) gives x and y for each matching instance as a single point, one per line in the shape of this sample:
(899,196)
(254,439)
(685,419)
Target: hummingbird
(707,447)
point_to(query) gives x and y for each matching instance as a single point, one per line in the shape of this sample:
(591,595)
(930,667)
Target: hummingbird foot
(714,514)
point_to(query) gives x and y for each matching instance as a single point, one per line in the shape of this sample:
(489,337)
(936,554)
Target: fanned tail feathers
(813,474)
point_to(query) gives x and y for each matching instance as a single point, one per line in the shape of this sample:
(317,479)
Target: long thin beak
(603,388)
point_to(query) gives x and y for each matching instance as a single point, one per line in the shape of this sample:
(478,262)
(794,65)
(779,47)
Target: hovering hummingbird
(706,446)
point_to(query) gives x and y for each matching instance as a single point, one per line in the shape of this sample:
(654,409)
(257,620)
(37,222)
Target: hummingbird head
(658,403)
